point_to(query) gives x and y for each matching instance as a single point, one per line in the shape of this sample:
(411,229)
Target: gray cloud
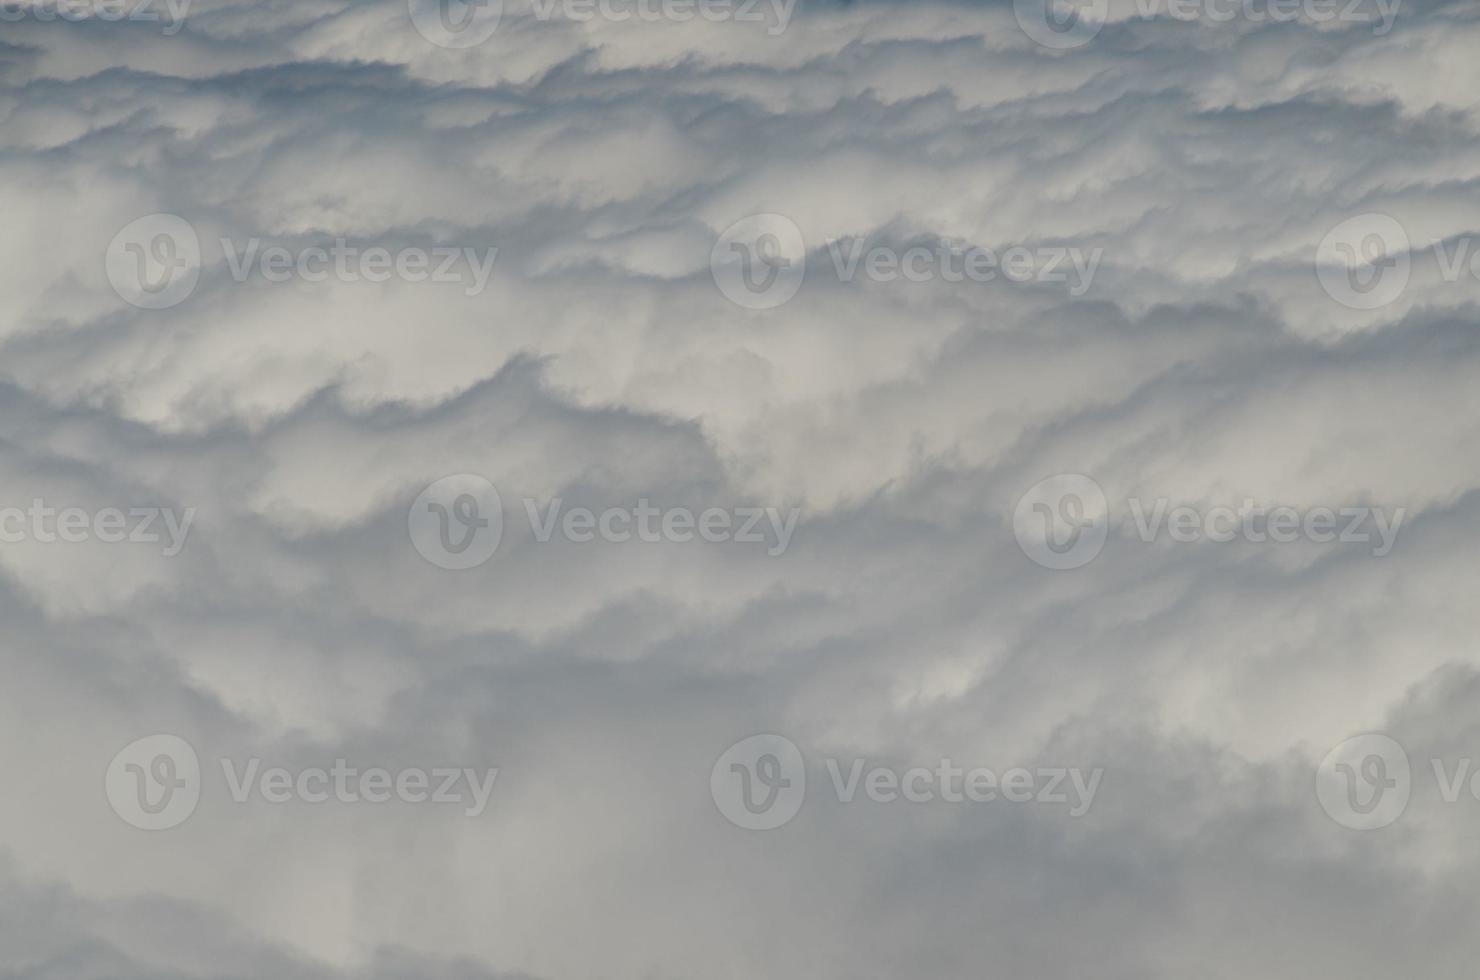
(1204,365)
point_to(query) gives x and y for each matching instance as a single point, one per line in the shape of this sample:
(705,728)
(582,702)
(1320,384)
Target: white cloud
(1204,364)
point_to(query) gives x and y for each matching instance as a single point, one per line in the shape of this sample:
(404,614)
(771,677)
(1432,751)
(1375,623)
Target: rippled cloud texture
(601,345)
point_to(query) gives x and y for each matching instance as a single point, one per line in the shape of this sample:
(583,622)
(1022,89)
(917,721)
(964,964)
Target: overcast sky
(436,440)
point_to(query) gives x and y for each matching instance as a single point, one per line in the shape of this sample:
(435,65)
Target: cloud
(597,163)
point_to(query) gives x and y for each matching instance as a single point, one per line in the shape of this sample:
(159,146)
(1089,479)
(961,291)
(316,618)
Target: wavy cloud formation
(1265,296)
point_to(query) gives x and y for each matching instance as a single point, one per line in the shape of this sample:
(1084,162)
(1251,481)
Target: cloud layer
(598,162)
